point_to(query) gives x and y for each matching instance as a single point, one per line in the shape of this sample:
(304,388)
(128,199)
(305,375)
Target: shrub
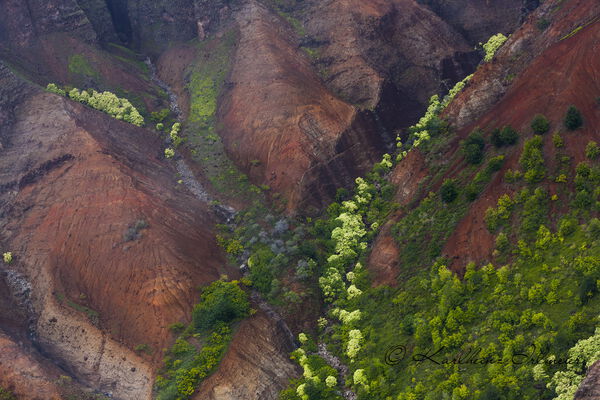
(542,24)
(592,151)
(535,209)
(540,124)
(495,138)
(159,116)
(473,147)
(573,118)
(220,302)
(169,153)
(492,45)
(532,160)
(495,164)
(52,88)
(502,242)
(177,327)
(6,395)
(594,228)
(260,270)
(567,226)
(448,191)
(143,348)
(508,135)
(472,191)
(504,137)
(7,257)
(587,289)
(557,140)
(512,176)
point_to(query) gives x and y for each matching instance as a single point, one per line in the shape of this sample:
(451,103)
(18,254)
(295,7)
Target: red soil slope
(74,180)
(568,72)
(558,74)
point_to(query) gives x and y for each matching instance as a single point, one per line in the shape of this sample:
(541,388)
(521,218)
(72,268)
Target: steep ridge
(278,112)
(478,20)
(493,79)
(257,368)
(386,56)
(534,62)
(540,88)
(89,170)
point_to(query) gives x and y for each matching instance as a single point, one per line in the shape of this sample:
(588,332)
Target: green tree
(592,151)
(220,302)
(509,136)
(448,191)
(573,118)
(540,124)
(473,147)
(492,45)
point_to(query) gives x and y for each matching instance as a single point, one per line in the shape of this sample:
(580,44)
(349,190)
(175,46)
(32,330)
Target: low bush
(448,191)
(473,147)
(573,118)
(220,302)
(540,124)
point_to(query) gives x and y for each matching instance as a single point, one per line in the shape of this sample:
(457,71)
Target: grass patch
(79,64)
(92,315)
(206,77)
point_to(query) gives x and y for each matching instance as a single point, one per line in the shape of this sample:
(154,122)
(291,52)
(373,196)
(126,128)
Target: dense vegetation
(200,346)
(6,395)
(492,45)
(107,102)
(525,319)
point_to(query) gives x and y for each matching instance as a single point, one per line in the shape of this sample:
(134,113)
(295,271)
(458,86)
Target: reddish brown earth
(383,260)
(540,88)
(72,180)
(70,195)
(387,56)
(24,375)
(279,112)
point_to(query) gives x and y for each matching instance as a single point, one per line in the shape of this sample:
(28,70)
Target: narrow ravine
(340,367)
(173,101)
(225,213)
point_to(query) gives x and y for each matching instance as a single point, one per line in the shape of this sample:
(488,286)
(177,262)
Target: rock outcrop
(257,368)
(478,20)
(278,111)
(589,389)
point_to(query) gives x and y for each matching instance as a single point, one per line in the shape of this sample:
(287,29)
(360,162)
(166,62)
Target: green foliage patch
(107,102)
(199,349)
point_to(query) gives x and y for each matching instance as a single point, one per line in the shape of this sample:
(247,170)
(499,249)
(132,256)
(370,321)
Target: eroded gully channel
(226,214)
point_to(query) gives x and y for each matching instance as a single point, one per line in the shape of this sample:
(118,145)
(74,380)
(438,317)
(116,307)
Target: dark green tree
(473,147)
(448,191)
(573,118)
(220,302)
(540,124)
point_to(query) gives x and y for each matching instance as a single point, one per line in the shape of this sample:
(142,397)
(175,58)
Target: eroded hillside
(256,115)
